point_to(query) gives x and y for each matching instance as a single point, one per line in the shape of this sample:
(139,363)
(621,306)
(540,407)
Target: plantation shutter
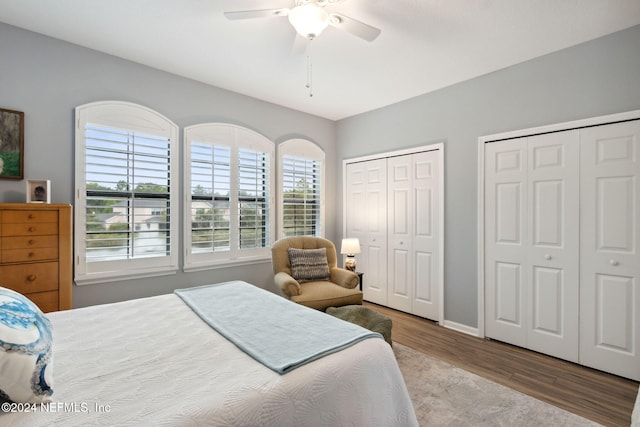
(210,190)
(228,214)
(128,208)
(253,198)
(301,181)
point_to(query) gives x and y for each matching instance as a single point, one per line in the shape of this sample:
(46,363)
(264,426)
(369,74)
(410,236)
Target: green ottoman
(364,317)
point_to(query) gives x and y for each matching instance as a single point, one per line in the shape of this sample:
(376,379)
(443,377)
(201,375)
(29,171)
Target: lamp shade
(309,20)
(350,246)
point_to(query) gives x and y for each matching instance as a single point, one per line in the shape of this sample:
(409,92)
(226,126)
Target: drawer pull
(31,229)
(31,242)
(30,216)
(32,277)
(31,254)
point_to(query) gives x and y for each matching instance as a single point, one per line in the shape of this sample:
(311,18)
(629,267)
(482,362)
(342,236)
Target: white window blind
(228,212)
(210,187)
(127,182)
(301,196)
(125,199)
(301,189)
(253,199)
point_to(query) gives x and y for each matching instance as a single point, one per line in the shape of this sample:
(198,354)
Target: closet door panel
(426,235)
(424,278)
(505,245)
(613,331)
(507,300)
(366,218)
(547,300)
(610,240)
(552,289)
(375,237)
(400,232)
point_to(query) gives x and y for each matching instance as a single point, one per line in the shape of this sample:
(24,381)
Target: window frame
(236,138)
(304,149)
(136,118)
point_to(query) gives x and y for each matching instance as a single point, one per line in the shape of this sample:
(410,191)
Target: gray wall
(592,79)
(47,78)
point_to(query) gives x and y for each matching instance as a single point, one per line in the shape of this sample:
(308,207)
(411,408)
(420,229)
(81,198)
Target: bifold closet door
(531,242)
(610,241)
(413,233)
(553,251)
(366,217)
(506,268)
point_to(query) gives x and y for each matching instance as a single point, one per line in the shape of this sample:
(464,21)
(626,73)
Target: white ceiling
(424,45)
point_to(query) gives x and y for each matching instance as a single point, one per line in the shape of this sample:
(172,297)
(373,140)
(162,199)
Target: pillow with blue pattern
(26,358)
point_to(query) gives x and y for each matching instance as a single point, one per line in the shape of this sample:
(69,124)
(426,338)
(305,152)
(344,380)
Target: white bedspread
(153,361)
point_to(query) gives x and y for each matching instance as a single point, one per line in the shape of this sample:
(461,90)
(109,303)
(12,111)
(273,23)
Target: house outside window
(228,196)
(301,189)
(126,193)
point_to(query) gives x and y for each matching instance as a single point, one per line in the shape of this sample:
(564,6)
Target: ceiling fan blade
(357,28)
(261,13)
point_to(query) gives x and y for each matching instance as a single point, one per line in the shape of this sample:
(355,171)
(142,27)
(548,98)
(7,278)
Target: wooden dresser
(35,252)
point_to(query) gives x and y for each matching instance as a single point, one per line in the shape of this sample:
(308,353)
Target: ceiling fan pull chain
(309,69)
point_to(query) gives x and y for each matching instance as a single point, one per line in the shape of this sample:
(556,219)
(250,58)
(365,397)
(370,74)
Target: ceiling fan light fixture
(309,19)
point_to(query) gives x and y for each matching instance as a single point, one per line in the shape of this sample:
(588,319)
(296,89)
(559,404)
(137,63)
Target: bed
(154,361)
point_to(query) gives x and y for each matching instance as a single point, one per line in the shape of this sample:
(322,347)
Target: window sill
(107,278)
(225,263)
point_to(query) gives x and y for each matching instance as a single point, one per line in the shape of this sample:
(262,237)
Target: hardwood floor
(603,398)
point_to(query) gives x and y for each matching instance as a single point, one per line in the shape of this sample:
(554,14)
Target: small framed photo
(38,191)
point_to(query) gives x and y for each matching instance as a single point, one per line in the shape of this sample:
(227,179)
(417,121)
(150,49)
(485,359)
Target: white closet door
(400,232)
(506,268)
(531,241)
(426,235)
(552,290)
(367,220)
(413,232)
(610,241)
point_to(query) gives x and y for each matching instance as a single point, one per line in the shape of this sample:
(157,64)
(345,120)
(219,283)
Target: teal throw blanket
(278,333)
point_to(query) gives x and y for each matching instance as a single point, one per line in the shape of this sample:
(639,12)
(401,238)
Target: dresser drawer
(27,229)
(28,242)
(29,216)
(30,278)
(46,301)
(29,254)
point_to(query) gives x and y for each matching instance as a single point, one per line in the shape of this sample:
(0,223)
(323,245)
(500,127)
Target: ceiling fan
(309,18)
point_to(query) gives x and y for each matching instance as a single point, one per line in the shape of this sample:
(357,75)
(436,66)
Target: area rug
(444,395)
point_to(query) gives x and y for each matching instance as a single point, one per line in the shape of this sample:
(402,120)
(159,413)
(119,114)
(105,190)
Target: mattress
(153,361)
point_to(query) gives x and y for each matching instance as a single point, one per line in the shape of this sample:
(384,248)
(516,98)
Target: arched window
(229,195)
(127,176)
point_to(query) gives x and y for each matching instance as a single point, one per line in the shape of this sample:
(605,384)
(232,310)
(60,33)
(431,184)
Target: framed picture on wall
(38,191)
(11,144)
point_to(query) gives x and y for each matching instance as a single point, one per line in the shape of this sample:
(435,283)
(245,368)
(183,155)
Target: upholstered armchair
(305,269)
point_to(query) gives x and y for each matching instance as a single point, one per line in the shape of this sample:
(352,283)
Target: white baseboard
(461,328)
